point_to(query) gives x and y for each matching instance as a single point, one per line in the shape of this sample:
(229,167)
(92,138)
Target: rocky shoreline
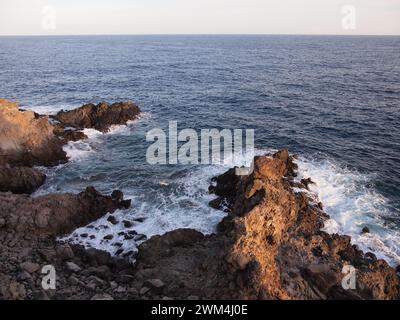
(269,246)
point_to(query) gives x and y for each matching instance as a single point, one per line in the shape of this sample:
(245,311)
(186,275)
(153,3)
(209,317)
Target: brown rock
(26,139)
(100,117)
(270,246)
(20,179)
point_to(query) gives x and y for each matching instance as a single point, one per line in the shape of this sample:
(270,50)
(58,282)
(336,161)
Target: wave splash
(182,202)
(352,205)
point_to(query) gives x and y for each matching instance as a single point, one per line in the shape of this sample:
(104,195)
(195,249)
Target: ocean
(332,100)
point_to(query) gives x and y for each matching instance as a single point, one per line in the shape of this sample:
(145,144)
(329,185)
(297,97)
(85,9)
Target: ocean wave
(82,149)
(352,204)
(171,203)
(166,205)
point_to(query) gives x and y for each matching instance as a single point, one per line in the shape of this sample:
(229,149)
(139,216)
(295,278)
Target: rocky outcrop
(27,139)
(28,230)
(100,117)
(55,214)
(30,139)
(270,246)
(20,179)
(29,226)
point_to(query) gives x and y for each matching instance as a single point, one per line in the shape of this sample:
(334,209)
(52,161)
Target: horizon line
(199,34)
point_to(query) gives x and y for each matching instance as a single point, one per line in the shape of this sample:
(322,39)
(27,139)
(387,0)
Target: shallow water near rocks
(332,100)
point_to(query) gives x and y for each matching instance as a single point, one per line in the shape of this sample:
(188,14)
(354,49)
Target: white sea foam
(183,203)
(80,150)
(353,205)
(97,231)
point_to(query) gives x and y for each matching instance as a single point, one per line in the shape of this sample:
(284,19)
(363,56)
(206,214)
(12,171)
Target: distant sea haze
(332,100)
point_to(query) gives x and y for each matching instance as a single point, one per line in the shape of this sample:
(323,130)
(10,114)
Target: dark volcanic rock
(54,214)
(70,135)
(20,179)
(99,117)
(365,230)
(27,243)
(29,226)
(270,246)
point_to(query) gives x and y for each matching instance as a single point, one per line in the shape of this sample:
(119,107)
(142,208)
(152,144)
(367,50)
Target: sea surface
(332,100)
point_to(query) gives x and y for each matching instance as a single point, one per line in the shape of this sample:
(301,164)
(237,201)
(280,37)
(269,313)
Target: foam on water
(80,150)
(352,204)
(175,203)
(182,202)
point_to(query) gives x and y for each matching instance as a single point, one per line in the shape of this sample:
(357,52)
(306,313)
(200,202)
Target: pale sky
(70,17)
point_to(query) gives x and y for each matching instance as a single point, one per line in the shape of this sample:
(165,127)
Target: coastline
(270,246)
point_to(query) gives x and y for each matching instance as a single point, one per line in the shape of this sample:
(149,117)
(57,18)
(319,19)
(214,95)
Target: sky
(75,17)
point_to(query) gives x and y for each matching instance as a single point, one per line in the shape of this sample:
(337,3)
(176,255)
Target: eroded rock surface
(28,231)
(100,117)
(270,246)
(20,179)
(27,139)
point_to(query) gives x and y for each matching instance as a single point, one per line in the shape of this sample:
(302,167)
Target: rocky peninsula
(269,246)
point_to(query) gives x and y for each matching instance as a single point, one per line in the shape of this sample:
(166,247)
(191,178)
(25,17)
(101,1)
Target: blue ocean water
(333,100)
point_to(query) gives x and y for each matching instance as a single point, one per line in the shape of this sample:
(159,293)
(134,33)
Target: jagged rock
(26,139)
(29,226)
(270,246)
(100,117)
(56,213)
(20,179)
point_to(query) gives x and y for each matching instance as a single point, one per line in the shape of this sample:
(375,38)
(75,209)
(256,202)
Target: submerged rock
(365,230)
